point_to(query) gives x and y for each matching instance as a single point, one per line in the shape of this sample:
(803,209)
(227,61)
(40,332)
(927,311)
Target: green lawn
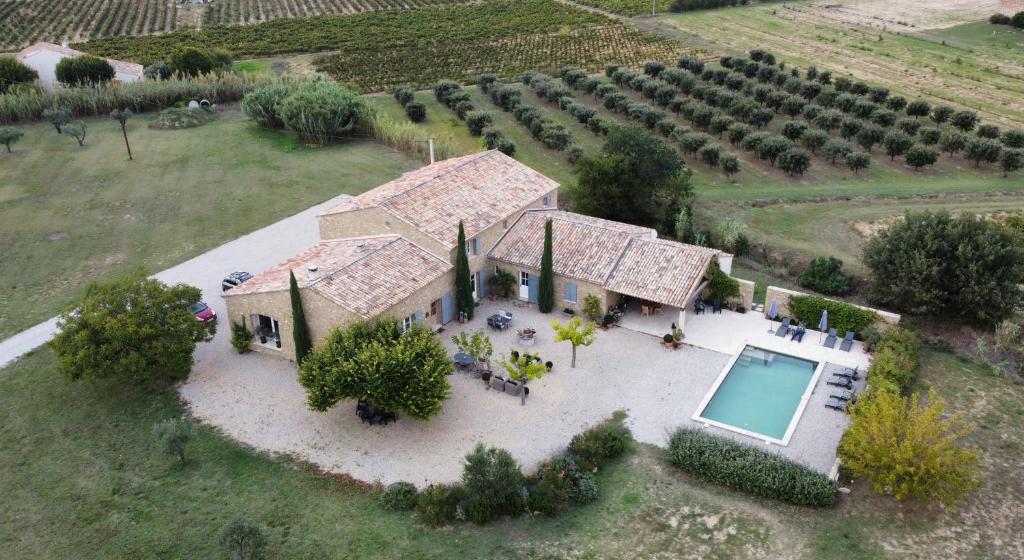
(71,214)
(81,477)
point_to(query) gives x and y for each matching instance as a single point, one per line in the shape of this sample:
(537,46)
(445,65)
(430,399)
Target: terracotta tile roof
(620,257)
(583,247)
(480,190)
(119,65)
(366,275)
(660,270)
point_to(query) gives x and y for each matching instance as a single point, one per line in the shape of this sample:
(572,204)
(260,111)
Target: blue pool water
(761,392)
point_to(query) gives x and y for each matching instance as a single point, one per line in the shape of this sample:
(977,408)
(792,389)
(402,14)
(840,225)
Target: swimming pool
(760,393)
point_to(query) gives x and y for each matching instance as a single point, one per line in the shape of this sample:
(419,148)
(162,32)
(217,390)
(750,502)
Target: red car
(203,312)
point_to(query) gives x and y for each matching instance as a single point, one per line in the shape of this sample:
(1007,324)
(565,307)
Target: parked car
(203,312)
(234,279)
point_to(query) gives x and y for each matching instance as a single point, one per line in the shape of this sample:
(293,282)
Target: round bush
(321,112)
(399,496)
(263,105)
(416,111)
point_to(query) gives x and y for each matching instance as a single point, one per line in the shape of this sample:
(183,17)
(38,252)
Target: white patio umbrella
(773,310)
(823,323)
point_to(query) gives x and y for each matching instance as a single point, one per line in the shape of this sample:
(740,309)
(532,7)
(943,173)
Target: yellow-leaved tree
(906,449)
(575,332)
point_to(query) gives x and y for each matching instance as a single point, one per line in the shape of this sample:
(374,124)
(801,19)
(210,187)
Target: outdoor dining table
(463,359)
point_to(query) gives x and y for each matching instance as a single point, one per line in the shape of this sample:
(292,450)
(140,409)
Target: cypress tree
(546,298)
(300,331)
(463,285)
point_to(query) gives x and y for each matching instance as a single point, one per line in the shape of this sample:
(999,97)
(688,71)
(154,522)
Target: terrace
(256,399)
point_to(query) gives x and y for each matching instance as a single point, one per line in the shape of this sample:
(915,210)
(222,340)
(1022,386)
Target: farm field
(23,22)
(376,51)
(231,12)
(97,216)
(82,477)
(627,7)
(984,75)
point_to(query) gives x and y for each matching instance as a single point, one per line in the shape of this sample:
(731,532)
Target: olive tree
(10,135)
(58,117)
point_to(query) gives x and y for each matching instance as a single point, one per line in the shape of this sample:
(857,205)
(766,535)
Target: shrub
(486,81)
(795,161)
(191,61)
(730,165)
(84,70)
(906,449)
(857,161)
(404,95)
(506,146)
(14,72)
(668,338)
(438,504)
(598,445)
(573,152)
(477,121)
(729,463)
(58,117)
(556,136)
(321,112)
(920,156)
(550,493)
(929,136)
(240,336)
(399,496)
(78,130)
(242,541)
(825,275)
(710,154)
(416,111)
(999,19)
(493,484)
(263,104)
(843,316)
(173,436)
(896,359)
(10,135)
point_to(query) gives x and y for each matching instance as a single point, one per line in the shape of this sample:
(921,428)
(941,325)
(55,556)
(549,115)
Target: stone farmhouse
(391,251)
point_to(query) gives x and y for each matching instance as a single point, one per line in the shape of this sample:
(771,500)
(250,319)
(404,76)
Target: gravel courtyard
(256,399)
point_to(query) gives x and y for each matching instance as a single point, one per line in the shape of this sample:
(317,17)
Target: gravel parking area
(257,399)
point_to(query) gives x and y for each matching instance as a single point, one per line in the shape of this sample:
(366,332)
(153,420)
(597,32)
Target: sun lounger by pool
(798,334)
(783,328)
(840,382)
(844,395)
(830,340)
(836,404)
(848,373)
(847,342)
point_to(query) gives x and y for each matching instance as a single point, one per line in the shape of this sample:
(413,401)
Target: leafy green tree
(377,362)
(919,108)
(825,275)
(10,135)
(463,281)
(243,541)
(14,72)
(964,120)
(857,161)
(836,149)
(1010,161)
(952,142)
(173,436)
(869,135)
(58,117)
(772,147)
(574,332)
(78,131)
(135,329)
(192,61)
(159,70)
(478,345)
(85,70)
(930,136)
(300,330)
(908,450)
(932,264)
(710,154)
(814,139)
(721,286)
(988,131)
(982,149)
(494,483)
(896,143)
(1014,138)
(730,165)
(795,161)
(321,112)
(523,367)
(920,156)
(637,179)
(546,297)
(942,113)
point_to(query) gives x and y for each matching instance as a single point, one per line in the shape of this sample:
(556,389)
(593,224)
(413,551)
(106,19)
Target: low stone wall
(782,295)
(746,293)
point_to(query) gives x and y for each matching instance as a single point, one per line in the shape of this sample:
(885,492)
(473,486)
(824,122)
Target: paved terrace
(256,399)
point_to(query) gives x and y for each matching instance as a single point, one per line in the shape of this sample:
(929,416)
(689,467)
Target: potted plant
(476,344)
(668,340)
(486,376)
(277,340)
(677,338)
(548,365)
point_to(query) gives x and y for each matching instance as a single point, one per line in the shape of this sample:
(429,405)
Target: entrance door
(524,286)
(447,310)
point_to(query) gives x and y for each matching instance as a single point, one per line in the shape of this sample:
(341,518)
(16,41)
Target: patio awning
(661,271)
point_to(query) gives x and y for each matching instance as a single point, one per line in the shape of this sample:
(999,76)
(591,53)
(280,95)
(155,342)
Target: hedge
(720,460)
(843,316)
(896,359)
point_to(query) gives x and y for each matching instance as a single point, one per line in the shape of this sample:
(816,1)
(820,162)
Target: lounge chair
(840,382)
(798,333)
(848,373)
(847,342)
(783,328)
(844,395)
(698,306)
(830,340)
(836,404)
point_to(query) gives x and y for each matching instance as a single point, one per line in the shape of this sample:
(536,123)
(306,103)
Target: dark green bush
(843,316)
(263,104)
(404,95)
(494,484)
(399,496)
(477,121)
(438,503)
(550,493)
(825,275)
(84,70)
(13,72)
(895,360)
(723,461)
(596,446)
(416,111)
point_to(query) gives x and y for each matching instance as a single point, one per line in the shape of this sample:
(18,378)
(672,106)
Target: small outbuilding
(43,58)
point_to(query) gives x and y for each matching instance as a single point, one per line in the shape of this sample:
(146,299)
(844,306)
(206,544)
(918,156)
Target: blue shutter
(446,308)
(534,284)
(570,292)
(476,245)
(419,318)
(482,278)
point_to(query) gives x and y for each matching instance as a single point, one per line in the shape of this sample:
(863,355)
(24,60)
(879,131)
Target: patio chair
(847,342)
(840,382)
(716,306)
(851,374)
(798,334)
(698,306)
(844,395)
(830,340)
(836,404)
(783,328)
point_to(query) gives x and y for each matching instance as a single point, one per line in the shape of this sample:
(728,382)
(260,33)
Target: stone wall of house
(276,305)
(373,221)
(782,296)
(583,288)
